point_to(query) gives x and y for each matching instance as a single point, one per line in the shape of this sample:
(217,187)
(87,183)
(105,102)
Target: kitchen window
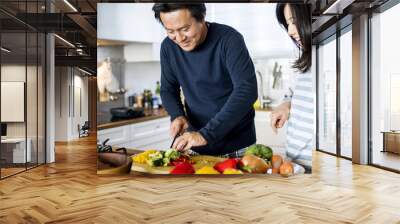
(385,89)
(22,77)
(326,105)
(346,75)
(334,89)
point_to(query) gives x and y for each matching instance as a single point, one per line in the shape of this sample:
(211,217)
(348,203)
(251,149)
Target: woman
(299,106)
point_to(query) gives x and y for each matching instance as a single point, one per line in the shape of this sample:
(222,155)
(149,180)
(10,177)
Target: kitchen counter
(150,115)
(268,109)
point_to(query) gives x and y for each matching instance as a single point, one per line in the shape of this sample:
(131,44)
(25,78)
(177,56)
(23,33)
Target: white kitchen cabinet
(265,134)
(142,52)
(152,134)
(118,136)
(128,22)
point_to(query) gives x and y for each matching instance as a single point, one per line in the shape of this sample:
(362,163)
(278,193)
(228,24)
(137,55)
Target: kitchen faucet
(264,100)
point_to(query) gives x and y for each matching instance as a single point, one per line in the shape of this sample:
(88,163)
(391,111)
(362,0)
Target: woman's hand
(279,116)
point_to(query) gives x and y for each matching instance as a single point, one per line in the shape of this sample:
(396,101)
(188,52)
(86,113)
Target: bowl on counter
(113,163)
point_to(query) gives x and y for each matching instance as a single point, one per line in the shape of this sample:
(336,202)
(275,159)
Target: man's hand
(279,116)
(178,125)
(189,140)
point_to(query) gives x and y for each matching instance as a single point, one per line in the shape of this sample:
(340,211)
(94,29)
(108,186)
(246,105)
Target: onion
(255,164)
(286,169)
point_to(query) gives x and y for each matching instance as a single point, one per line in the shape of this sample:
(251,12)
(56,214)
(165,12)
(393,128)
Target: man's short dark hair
(197,10)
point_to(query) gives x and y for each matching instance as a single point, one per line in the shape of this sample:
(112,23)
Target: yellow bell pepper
(143,157)
(207,170)
(232,171)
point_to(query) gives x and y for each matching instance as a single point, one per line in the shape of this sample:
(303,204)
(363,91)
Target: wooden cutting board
(200,161)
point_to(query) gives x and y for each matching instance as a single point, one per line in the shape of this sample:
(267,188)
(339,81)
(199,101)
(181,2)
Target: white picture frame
(12,101)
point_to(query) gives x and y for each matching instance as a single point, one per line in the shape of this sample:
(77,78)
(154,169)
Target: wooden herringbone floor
(69,191)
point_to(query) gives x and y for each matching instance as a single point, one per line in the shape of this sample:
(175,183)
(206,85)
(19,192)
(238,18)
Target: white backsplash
(140,76)
(136,76)
(144,75)
(266,67)
(114,52)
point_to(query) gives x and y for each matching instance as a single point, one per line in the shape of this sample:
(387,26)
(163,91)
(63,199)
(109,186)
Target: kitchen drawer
(116,135)
(149,140)
(150,128)
(162,145)
(148,143)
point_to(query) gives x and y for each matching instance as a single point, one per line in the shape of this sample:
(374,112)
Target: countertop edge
(148,118)
(129,121)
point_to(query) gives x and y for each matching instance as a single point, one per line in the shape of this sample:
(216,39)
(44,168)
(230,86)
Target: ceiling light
(65,41)
(70,5)
(5,50)
(86,72)
(338,6)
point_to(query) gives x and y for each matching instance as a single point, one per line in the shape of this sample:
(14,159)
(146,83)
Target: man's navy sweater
(219,86)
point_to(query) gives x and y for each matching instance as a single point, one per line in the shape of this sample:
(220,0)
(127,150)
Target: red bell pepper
(183,168)
(229,163)
(180,159)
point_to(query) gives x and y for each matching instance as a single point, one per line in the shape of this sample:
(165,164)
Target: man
(211,64)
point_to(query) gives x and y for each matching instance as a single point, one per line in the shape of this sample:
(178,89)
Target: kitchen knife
(173,141)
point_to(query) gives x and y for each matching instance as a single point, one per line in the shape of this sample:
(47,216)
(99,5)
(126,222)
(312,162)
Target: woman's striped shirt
(300,129)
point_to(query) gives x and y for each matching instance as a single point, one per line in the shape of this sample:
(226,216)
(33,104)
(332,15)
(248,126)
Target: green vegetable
(172,154)
(155,159)
(156,162)
(260,150)
(161,158)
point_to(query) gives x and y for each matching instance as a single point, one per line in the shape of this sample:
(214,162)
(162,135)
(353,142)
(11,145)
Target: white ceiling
(135,22)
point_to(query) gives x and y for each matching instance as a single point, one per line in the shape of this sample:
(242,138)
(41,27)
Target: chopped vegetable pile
(258,158)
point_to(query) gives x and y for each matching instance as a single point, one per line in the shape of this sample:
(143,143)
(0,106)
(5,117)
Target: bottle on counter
(158,94)
(145,102)
(155,102)
(139,101)
(132,100)
(158,88)
(148,99)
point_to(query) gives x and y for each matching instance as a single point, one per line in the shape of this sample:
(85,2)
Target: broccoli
(172,154)
(161,158)
(260,150)
(166,161)
(155,159)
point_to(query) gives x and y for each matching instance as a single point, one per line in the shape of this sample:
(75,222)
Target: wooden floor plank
(70,191)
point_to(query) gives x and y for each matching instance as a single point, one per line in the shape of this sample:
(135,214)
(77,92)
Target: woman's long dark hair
(302,19)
